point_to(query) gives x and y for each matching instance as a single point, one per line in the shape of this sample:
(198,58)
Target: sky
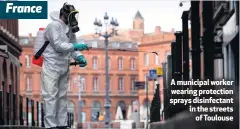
(164,13)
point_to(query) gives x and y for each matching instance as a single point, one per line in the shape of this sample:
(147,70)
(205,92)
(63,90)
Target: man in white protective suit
(55,70)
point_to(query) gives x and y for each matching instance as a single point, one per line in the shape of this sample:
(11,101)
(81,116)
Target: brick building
(9,69)
(125,68)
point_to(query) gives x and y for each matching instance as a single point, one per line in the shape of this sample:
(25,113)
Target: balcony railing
(30,107)
(103,93)
(27,109)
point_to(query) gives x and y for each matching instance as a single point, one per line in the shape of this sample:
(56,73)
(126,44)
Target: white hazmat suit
(55,71)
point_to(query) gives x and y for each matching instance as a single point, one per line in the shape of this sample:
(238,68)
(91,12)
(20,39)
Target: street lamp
(79,81)
(98,27)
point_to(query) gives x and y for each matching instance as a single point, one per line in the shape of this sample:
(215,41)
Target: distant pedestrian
(101,117)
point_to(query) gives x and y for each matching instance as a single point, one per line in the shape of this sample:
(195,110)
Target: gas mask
(70,17)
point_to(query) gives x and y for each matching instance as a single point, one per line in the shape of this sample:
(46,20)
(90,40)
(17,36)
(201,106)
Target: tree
(155,106)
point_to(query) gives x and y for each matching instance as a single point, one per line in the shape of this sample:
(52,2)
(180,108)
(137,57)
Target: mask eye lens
(76,16)
(73,17)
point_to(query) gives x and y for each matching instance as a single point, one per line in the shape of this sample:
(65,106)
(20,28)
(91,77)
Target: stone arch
(71,110)
(135,105)
(95,110)
(123,107)
(71,106)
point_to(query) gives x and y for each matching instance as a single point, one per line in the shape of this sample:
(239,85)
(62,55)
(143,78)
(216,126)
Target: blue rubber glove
(80,47)
(81,59)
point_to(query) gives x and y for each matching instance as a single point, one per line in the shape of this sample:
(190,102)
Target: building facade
(9,69)
(130,58)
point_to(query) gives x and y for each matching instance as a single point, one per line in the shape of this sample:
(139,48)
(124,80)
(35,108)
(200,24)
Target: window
(83,117)
(120,63)
(135,105)
(28,82)
(123,108)
(69,86)
(83,82)
(95,63)
(146,59)
(29,103)
(156,60)
(95,84)
(120,84)
(70,83)
(95,110)
(132,61)
(27,61)
(83,103)
(132,83)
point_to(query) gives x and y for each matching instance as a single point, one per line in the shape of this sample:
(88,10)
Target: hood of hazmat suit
(55,71)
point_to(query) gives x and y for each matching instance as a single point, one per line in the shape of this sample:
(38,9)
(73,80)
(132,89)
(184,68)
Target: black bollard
(71,119)
(8,108)
(32,104)
(38,114)
(14,109)
(208,43)
(27,111)
(195,24)
(21,110)
(185,49)
(1,108)
(42,115)
(68,116)
(178,57)
(173,53)
(178,70)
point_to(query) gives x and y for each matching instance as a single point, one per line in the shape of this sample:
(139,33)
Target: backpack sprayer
(39,49)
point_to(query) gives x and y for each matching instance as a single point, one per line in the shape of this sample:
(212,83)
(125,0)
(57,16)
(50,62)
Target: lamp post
(79,81)
(98,27)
